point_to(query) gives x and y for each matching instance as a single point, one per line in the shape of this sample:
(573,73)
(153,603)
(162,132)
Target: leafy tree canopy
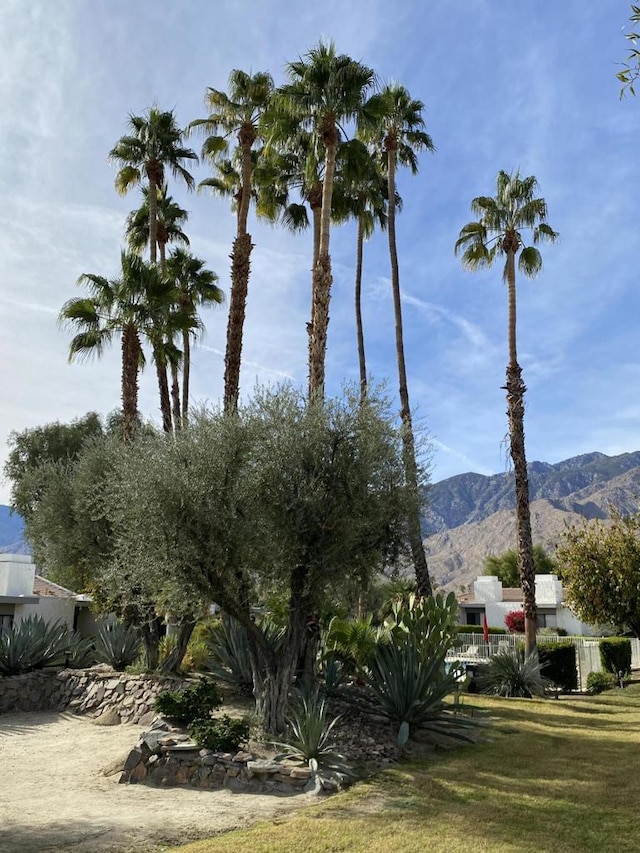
(631,68)
(505,566)
(601,571)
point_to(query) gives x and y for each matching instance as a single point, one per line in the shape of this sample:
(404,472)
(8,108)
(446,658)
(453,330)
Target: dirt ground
(53,796)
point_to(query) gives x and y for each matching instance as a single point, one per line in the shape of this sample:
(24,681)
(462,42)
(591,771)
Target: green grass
(552,776)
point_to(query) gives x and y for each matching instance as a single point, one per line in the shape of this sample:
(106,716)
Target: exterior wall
(50,608)
(17,574)
(88,622)
(487,588)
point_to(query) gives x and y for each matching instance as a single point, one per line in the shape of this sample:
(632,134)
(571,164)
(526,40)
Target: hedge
(615,654)
(558,663)
(478,629)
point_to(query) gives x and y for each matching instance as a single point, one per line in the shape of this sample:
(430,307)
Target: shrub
(478,629)
(333,674)
(228,647)
(511,673)
(34,644)
(190,703)
(558,663)
(515,621)
(353,640)
(427,623)
(223,734)
(116,645)
(597,682)
(615,654)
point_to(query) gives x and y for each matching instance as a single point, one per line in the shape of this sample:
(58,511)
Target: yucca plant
(512,673)
(33,644)
(409,691)
(116,645)
(310,736)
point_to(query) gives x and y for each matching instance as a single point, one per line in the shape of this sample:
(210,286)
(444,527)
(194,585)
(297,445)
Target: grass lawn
(549,776)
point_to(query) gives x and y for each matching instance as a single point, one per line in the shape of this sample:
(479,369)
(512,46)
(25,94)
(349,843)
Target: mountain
(470,515)
(11,527)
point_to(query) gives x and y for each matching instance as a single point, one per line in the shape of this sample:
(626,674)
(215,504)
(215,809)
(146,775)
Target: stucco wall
(50,608)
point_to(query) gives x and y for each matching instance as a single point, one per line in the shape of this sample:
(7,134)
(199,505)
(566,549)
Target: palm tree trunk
(515,389)
(186,370)
(358,300)
(175,397)
(163,387)
(153,219)
(240,270)
(408,441)
(322,279)
(315,201)
(130,361)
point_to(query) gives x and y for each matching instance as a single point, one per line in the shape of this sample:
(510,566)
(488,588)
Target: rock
(115,766)
(242,756)
(133,759)
(139,772)
(109,717)
(300,773)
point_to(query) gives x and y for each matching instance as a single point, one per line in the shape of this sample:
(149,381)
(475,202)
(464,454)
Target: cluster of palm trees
(322,148)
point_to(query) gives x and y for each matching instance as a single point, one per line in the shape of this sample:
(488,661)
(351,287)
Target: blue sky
(528,85)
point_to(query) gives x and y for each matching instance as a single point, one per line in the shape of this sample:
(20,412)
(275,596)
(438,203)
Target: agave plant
(311,741)
(116,645)
(33,644)
(229,650)
(511,673)
(81,653)
(408,690)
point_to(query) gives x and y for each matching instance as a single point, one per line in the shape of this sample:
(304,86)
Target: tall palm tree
(396,118)
(498,232)
(153,145)
(115,307)
(236,113)
(170,219)
(194,286)
(325,89)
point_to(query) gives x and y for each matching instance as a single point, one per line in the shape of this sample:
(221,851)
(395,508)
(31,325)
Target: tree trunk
(358,300)
(150,633)
(240,268)
(408,441)
(315,202)
(322,278)
(515,389)
(173,661)
(163,386)
(175,396)
(153,218)
(130,361)
(186,371)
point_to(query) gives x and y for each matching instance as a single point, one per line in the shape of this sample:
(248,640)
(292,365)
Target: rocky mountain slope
(471,515)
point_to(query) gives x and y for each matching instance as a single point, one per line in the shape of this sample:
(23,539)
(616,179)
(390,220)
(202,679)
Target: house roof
(44,587)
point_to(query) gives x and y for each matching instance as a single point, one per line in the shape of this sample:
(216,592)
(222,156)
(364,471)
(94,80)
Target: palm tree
(194,286)
(237,112)
(153,145)
(325,89)
(397,120)
(114,307)
(498,231)
(170,219)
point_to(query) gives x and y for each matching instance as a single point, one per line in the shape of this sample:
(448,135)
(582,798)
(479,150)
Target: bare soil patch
(53,796)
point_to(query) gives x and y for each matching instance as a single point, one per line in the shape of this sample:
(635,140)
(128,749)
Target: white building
(490,598)
(24,593)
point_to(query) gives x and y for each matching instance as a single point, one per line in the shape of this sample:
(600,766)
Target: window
(547,619)
(6,622)
(474,617)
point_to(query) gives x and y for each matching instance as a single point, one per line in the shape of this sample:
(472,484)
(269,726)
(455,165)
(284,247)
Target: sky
(528,85)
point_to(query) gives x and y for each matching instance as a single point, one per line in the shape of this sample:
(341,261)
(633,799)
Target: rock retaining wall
(115,697)
(166,758)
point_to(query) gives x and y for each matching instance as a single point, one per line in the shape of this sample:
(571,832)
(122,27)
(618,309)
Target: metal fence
(472,648)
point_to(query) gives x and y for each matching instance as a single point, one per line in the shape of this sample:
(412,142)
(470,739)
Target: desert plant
(228,646)
(310,736)
(429,624)
(353,640)
(189,703)
(615,654)
(598,682)
(33,644)
(332,672)
(222,734)
(409,690)
(558,663)
(511,673)
(117,645)
(81,653)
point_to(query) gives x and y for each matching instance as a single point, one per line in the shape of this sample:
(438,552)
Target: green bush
(190,703)
(478,629)
(597,682)
(116,645)
(34,644)
(228,647)
(511,673)
(224,734)
(558,664)
(615,654)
